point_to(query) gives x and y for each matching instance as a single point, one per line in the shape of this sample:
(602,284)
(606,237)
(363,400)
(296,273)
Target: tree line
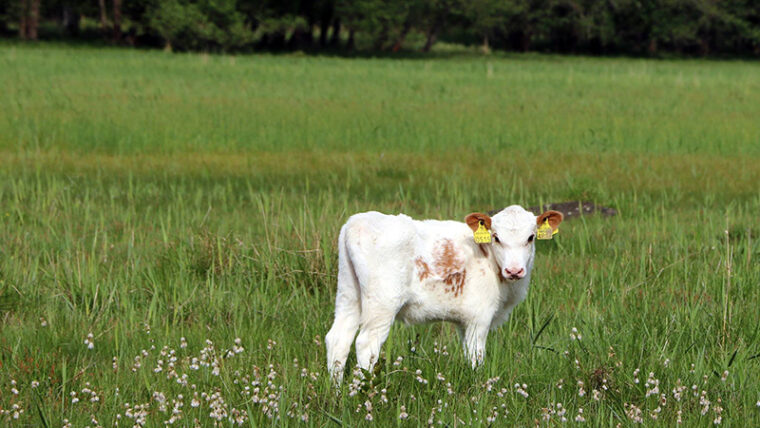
(637,27)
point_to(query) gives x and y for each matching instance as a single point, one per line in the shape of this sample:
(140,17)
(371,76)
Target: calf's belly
(432,309)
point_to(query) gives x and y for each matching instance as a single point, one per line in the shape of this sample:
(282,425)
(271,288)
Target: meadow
(169,225)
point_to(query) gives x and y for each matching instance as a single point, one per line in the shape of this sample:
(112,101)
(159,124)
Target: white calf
(393,267)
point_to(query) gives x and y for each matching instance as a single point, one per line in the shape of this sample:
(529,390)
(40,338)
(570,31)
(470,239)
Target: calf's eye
(530,238)
(496,238)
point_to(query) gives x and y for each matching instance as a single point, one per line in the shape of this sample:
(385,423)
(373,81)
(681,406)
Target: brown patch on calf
(449,267)
(455,282)
(446,259)
(423,270)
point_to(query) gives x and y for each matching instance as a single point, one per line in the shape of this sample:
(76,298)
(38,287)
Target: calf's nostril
(514,272)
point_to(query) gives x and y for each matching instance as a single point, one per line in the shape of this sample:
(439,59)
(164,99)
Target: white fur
(394,267)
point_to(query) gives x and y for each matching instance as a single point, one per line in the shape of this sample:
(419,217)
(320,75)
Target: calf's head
(513,236)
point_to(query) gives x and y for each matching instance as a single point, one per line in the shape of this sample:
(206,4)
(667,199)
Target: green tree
(206,24)
(380,21)
(486,17)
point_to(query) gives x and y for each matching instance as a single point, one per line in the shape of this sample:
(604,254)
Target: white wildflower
(633,413)
(89,341)
(579,417)
(596,394)
(581,390)
(522,389)
(574,335)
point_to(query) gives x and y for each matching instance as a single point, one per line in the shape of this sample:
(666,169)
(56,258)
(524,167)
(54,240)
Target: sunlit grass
(147,198)
(113,101)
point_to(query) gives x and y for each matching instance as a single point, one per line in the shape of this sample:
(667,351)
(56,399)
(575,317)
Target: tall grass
(132,102)
(147,198)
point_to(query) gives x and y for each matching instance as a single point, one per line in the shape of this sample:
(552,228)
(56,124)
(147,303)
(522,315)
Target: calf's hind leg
(338,342)
(347,316)
(376,324)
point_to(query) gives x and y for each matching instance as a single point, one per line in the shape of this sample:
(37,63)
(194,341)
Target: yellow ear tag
(482,236)
(545,231)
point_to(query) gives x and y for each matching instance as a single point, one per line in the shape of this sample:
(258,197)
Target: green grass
(147,197)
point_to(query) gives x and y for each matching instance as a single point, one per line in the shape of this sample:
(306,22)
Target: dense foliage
(648,27)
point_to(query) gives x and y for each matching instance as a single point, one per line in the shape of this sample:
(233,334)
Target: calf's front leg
(473,338)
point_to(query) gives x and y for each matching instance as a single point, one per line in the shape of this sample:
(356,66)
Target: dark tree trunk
(704,47)
(3,23)
(29,19)
(652,48)
(274,40)
(335,36)
(325,19)
(71,18)
(521,39)
(23,19)
(400,40)
(103,15)
(382,38)
(33,20)
(131,37)
(431,37)
(308,34)
(117,20)
(300,39)
(324,26)
(351,43)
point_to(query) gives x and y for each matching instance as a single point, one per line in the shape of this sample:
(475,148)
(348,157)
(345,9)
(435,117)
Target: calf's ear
(554,218)
(473,220)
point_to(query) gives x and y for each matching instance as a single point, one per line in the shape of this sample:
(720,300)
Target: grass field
(171,204)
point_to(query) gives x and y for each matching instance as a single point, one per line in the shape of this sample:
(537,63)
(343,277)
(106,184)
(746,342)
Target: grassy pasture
(147,197)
